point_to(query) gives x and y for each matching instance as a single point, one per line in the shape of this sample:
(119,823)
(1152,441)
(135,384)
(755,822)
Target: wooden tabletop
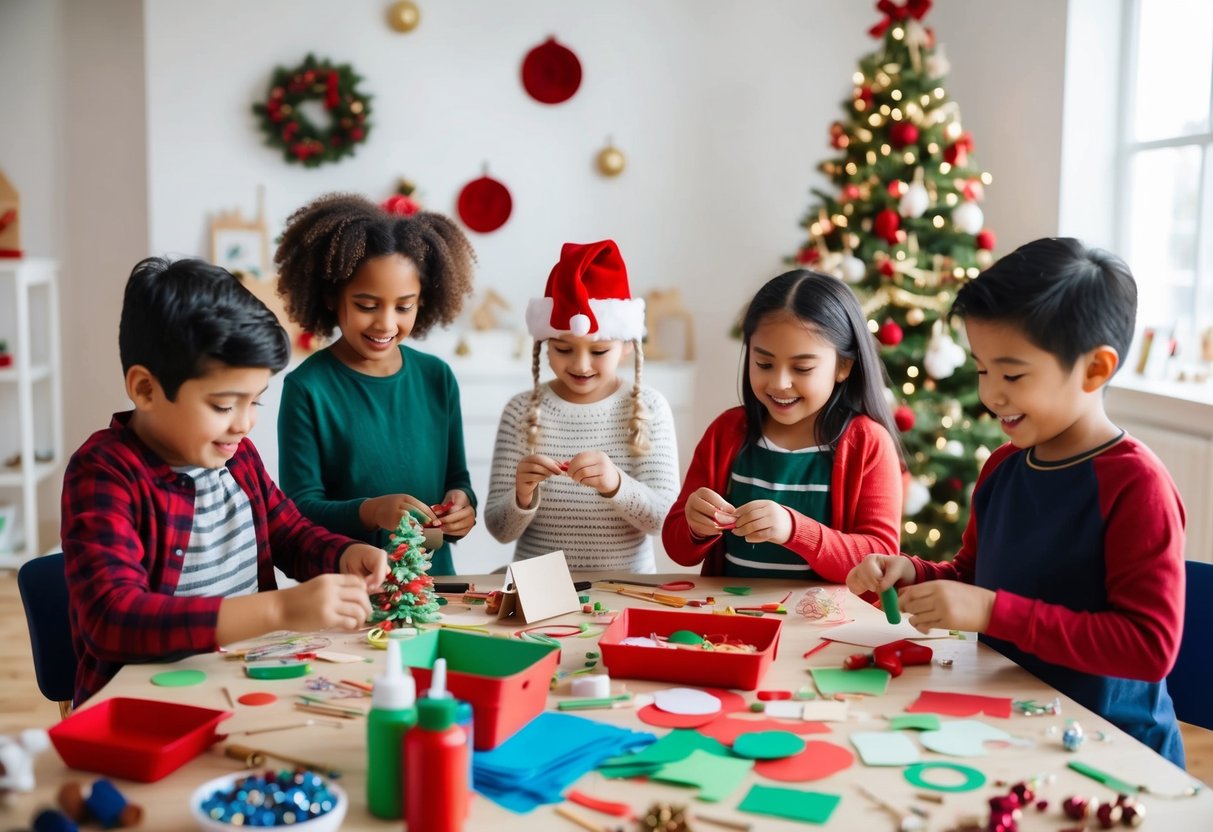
(974,669)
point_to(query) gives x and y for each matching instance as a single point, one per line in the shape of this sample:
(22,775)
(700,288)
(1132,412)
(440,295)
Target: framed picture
(242,246)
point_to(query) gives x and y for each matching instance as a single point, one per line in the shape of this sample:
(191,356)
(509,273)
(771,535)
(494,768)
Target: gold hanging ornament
(610,161)
(404,16)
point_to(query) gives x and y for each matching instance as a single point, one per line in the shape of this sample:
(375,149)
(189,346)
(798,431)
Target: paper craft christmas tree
(408,593)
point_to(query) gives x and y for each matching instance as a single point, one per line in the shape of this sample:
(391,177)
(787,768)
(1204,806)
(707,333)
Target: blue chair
(1191,680)
(43,588)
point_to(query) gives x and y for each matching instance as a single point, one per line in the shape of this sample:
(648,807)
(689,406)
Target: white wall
(721,106)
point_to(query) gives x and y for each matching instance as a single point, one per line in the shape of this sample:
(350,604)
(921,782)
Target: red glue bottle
(436,787)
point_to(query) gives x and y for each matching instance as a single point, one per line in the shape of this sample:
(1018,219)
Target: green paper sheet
(794,804)
(738,590)
(674,746)
(884,748)
(832,680)
(716,777)
(768,745)
(917,722)
(179,678)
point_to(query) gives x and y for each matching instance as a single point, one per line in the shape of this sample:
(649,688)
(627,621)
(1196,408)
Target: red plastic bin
(505,679)
(690,667)
(136,739)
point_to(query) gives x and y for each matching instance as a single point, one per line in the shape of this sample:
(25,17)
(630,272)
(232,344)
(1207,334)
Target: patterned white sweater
(595,532)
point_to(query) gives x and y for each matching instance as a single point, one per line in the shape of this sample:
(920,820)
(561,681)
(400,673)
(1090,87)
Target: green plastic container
(506,680)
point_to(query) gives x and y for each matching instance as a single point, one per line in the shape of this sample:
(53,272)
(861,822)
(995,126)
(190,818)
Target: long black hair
(829,308)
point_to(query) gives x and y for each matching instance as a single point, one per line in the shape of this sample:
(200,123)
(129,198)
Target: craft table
(975,669)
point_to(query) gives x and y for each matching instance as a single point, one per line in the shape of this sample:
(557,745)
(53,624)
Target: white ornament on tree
(852,269)
(915,201)
(968,218)
(954,447)
(943,355)
(917,497)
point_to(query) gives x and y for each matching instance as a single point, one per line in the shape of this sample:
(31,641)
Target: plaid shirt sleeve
(117,527)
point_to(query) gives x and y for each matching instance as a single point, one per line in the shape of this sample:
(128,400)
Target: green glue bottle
(393,712)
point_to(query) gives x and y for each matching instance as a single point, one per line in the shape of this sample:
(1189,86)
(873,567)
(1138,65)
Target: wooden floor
(22,706)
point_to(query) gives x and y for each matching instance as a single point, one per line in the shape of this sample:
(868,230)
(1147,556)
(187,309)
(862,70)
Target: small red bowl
(136,739)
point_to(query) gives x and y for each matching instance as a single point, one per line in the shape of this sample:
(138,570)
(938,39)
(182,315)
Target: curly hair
(327,240)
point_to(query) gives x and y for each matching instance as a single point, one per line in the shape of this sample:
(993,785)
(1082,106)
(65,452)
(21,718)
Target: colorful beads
(282,799)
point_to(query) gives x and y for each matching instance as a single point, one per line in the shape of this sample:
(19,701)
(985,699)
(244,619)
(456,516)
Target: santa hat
(587,294)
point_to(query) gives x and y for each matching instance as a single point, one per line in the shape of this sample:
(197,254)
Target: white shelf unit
(31,395)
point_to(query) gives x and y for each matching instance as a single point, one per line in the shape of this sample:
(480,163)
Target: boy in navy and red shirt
(1072,561)
(171,526)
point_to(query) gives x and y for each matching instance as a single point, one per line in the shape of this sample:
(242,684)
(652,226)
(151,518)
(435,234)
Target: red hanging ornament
(957,153)
(886,268)
(850,193)
(484,204)
(890,333)
(903,134)
(808,255)
(838,136)
(897,189)
(886,225)
(986,239)
(864,94)
(973,190)
(551,72)
(904,418)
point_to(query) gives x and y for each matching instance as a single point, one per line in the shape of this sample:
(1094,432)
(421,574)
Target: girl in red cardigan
(805,477)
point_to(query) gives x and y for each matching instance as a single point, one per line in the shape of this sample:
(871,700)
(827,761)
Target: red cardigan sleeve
(865,504)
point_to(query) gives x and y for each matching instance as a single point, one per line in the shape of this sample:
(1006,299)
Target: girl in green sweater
(370,428)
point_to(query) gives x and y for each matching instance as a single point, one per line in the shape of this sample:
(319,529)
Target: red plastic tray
(690,667)
(136,739)
(505,680)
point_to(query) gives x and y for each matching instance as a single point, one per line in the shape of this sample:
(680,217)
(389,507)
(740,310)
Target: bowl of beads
(299,799)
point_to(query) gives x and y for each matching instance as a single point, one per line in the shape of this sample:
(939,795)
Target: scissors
(669,586)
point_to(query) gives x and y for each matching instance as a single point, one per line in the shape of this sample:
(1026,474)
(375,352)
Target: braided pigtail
(532,415)
(639,438)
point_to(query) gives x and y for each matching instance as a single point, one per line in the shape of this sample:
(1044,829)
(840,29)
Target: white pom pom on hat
(587,294)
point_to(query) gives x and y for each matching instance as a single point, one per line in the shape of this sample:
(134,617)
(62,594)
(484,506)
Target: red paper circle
(551,72)
(818,760)
(257,699)
(726,728)
(729,702)
(484,204)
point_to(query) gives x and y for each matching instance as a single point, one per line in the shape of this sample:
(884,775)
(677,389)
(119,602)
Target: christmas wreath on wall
(286,126)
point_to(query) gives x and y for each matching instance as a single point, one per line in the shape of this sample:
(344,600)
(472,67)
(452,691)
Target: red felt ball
(886,224)
(903,134)
(890,333)
(904,418)
(986,239)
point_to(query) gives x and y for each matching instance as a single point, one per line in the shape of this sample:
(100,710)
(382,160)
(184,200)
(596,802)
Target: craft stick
(328,723)
(362,686)
(475,628)
(255,758)
(724,822)
(583,822)
(323,709)
(825,642)
(227,694)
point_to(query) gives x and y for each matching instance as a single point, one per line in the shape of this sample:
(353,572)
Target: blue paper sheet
(538,763)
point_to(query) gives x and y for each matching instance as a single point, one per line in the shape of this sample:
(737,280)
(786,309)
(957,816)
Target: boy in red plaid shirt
(171,526)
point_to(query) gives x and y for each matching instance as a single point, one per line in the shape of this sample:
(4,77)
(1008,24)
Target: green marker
(1111,781)
(585,704)
(888,600)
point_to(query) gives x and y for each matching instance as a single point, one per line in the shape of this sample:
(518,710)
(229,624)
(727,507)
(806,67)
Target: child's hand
(951,605)
(385,512)
(595,469)
(876,573)
(533,470)
(458,520)
(362,560)
(323,602)
(763,521)
(707,513)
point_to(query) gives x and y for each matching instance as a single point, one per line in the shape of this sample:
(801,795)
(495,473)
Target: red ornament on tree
(986,239)
(886,224)
(808,256)
(903,134)
(897,189)
(903,417)
(850,193)
(864,94)
(886,268)
(889,334)
(838,136)
(973,190)
(957,153)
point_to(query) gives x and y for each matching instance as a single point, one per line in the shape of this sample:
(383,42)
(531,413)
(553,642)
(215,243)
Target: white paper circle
(686,701)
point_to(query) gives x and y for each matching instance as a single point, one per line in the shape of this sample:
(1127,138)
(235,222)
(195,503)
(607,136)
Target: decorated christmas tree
(904,227)
(408,592)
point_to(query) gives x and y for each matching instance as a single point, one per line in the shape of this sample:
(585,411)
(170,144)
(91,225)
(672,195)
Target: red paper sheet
(960,704)
(818,760)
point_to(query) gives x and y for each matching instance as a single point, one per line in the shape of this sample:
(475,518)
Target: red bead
(1076,807)
(857,661)
(1042,805)
(1108,815)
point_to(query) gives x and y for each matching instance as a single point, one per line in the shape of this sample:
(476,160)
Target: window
(1165,191)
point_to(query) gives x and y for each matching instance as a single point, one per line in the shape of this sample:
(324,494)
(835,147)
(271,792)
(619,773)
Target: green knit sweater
(344,437)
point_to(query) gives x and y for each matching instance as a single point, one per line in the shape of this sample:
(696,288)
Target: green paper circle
(179,678)
(739,590)
(768,745)
(974,779)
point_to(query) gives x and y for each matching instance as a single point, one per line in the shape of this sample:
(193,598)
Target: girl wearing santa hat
(585,463)
(804,478)
(370,428)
